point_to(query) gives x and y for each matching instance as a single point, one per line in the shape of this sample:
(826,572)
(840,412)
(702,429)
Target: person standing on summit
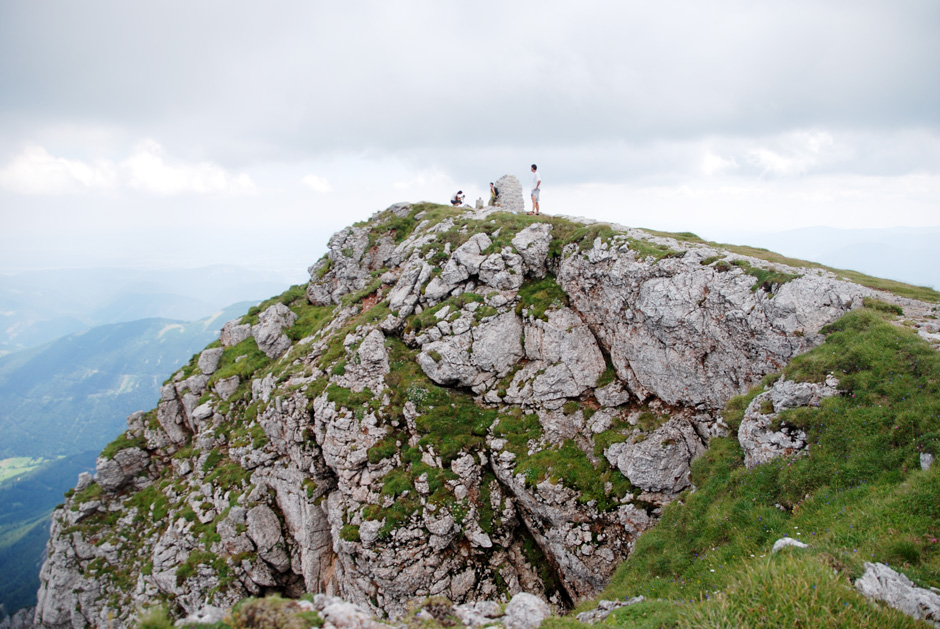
(536,183)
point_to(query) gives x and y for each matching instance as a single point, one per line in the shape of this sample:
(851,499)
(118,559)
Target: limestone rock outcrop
(893,588)
(509,198)
(461,403)
(760,438)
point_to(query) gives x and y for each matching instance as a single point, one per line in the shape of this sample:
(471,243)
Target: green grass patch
(767,279)
(538,296)
(449,424)
(241,360)
(616,434)
(122,442)
(385,449)
(295,294)
(229,476)
(567,464)
(582,235)
(681,236)
(360,403)
(350,533)
(502,227)
(92,492)
(359,295)
(152,504)
(398,228)
(428,317)
(273,612)
(310,319)
(646,249)
(881,306)
(813,596)
(518,429)
(212,461)
(649,421)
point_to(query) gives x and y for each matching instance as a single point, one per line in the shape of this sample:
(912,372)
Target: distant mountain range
(38,306)
(74,393)
(69,398)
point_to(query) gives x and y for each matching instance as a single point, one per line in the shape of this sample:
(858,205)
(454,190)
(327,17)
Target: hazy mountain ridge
(465,404)
(31,314)
(107,372)
(905,254)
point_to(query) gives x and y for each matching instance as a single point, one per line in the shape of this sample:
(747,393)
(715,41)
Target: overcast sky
(177,133)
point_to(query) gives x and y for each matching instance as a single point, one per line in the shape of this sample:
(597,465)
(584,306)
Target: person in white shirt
(536,183)
(457,199)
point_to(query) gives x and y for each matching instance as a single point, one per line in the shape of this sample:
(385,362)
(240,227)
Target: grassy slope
(922,293)
(859,496)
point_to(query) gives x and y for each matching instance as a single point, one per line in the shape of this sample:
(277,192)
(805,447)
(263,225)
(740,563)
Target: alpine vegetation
(465,406)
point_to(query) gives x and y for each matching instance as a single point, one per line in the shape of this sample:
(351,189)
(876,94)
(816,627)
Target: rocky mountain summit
(463,403)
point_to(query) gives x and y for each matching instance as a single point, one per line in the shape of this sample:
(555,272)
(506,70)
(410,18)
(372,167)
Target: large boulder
(269,331)
(510,197)
(114,473)
(661,463)
(209,360)
(234,333)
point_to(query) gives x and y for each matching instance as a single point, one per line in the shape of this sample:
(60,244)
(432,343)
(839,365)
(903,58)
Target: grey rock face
(209,360)
(269,332)
(234,333)
(605,608)
(502,271)
(509,198)
(464,263)
(343,615)
(894,589)
(342,271)
(926,460)
(613,394)
(533,243)
(477,356)
(564,359)
(264,529)
(172,417)
(226,387)
(691,335)
(662,462)
(405,295)
(114,473)
(84,480)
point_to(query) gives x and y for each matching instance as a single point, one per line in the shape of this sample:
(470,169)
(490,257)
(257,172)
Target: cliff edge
(462,403)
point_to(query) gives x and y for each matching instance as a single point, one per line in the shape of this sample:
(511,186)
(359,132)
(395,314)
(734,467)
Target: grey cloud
(250,83)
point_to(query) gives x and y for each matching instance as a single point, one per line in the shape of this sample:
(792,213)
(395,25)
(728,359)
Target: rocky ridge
(469,404)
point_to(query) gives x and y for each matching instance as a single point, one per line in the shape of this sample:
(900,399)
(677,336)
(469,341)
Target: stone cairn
(510,194)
